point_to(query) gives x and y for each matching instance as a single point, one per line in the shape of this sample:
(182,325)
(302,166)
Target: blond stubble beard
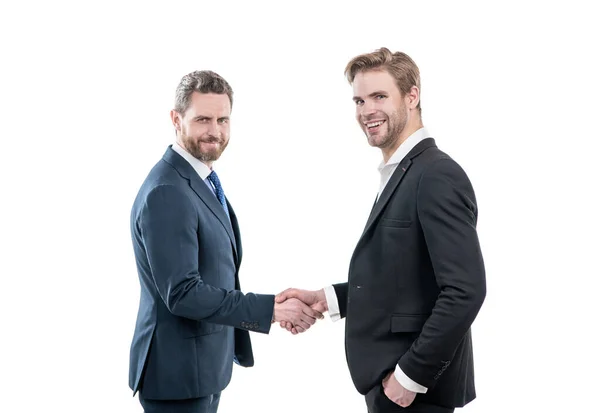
(396,124)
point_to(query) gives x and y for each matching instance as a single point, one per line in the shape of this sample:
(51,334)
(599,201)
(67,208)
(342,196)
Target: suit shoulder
(161,174)
(432,155)
(438,171)
(435,161)
(162,179)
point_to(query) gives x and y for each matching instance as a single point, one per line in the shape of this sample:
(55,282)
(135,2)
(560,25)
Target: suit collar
(420,147)
(404,149)
(200,167)
(179,163)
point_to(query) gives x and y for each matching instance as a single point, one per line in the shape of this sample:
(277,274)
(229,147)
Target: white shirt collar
(200,167)
(405,147)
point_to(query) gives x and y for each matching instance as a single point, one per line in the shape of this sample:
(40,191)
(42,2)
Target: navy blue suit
(192,317)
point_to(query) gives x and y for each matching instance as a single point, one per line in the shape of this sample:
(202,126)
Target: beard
(394,122)
(194,147)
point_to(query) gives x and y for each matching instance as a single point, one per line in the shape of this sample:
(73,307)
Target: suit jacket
(192,316)
(417,281)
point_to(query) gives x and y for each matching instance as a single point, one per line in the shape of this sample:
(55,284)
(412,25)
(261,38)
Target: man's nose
(367,109)
(213,128)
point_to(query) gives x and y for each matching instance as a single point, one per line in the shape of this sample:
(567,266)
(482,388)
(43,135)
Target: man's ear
(176,119)
(414,97)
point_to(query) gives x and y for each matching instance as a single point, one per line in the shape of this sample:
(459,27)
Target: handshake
(296,310)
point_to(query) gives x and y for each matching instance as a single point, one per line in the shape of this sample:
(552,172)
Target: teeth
(374,124)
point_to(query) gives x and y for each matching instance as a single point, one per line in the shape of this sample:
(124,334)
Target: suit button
(255,326)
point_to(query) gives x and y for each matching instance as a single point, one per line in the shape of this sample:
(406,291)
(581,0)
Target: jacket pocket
(200,328)
(395,223)
(401,323)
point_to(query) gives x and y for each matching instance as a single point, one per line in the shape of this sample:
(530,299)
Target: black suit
(416,283)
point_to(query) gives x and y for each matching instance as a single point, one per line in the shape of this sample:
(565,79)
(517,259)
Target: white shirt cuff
(333,307)
(407,383)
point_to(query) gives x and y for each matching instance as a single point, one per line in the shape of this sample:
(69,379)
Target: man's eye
(380,97)
(359,102)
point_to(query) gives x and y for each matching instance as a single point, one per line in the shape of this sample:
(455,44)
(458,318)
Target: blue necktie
(213,177)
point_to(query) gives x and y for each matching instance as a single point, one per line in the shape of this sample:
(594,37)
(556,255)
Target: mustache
(212,139)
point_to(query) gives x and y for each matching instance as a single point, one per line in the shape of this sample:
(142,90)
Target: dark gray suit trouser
(208,404)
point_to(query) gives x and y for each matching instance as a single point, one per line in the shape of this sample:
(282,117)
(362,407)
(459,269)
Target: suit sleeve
(341,292)
(168,225)
(448,215)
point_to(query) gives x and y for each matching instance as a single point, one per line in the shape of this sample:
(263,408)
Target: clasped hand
(296,310)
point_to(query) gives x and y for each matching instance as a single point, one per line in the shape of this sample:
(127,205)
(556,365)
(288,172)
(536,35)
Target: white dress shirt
(386,171)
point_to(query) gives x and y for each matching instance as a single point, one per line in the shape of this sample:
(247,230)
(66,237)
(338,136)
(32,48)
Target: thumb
(321,307)
(284,295)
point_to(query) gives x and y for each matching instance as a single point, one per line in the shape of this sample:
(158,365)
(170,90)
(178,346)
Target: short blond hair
(402,68)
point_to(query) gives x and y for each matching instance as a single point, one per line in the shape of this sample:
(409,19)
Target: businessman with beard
(193,321)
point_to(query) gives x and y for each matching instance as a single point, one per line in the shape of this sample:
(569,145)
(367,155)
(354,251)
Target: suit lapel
(395,180)
(202,190)
(236,232)
(389,189)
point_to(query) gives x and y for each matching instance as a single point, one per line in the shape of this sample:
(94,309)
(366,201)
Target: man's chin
(210,157)
(374,142)
(207,156)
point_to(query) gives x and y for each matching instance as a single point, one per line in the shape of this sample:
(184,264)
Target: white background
(509,90)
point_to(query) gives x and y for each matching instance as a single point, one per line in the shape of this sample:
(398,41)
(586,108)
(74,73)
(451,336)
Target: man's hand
(395,392)
(315,299)
(297,313)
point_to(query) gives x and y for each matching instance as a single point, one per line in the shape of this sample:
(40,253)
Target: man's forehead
(211,103)
(367,82)
(210,98)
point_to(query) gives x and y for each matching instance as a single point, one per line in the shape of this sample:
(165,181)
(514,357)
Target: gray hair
(203,81)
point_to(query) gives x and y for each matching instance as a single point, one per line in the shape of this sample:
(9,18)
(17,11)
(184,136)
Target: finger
(312,313)
(294,331)
(286,325)
(282,324)
(308,314)
(302,324)
(307,319)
